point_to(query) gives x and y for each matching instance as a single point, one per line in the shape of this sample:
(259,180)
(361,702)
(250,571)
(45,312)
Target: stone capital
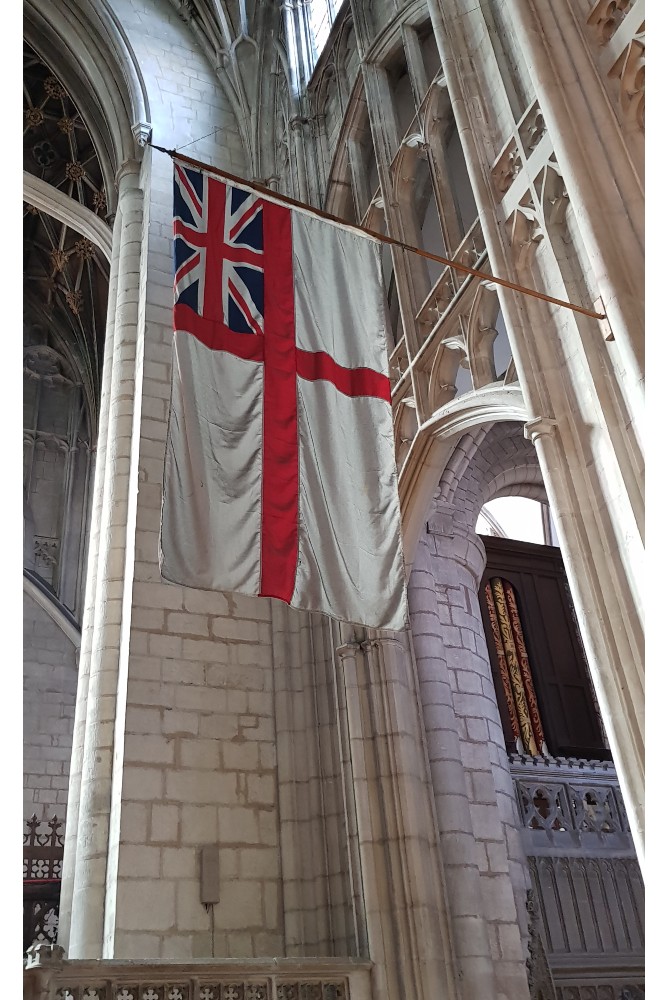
(538,426)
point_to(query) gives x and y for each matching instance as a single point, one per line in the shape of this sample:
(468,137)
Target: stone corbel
(298,122)
(539,426)
(142,133)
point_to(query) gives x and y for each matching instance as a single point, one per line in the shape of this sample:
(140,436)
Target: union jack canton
(231,288)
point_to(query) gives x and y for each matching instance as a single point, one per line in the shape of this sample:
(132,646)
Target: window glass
(322,15)
(520,518)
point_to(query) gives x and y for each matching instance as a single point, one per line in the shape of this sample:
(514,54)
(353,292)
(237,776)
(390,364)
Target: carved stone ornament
(630,70)
(54,88)
(34,117)
(74,300)
(606,17)
(42,361)
(40,955)
(506,169)
(59,259)
(142,133)
(524,228)
(75,171)
(186,10)
(157,989)
(84,249)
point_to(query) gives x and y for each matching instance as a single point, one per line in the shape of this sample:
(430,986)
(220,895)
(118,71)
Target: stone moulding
(49,199)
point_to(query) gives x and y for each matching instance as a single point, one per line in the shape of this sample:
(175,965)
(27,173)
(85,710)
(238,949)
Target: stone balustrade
(570,803)
(48,976)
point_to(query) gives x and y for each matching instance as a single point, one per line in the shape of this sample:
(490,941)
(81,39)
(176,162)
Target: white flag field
(280,474)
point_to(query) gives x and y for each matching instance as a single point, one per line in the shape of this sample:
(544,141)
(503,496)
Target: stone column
(479,840)
(601,181)
(570,387)
(107,668)
(67,886)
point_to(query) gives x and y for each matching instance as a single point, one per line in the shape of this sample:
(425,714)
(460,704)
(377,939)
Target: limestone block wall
(193,750)
(199,769)
(49,695)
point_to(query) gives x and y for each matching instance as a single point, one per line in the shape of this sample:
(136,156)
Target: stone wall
(49,694)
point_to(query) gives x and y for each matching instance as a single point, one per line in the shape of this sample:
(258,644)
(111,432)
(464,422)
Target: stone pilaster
(407,918)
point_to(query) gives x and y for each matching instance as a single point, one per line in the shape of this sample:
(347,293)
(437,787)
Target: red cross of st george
(283,362)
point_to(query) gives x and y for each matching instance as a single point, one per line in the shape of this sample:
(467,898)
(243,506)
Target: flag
(280,475)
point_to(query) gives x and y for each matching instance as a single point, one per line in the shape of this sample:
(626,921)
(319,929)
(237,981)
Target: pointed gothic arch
(86,47)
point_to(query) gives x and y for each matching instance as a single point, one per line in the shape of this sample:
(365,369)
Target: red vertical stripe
(280,445)
(215,251)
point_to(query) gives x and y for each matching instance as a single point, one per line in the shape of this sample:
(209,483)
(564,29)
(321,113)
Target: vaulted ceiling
(65,275)
(242,41)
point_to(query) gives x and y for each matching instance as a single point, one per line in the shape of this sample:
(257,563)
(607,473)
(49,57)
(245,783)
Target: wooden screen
(567,708)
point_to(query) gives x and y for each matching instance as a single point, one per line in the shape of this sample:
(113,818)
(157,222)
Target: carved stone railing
(48,976)
(438,304)
(586,882)
(566,803)
(470,252)
(602,991)
(42,863)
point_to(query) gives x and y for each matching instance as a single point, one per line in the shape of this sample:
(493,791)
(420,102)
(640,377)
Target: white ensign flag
(280,476)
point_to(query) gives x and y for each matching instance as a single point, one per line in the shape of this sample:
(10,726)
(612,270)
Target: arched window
(518,517)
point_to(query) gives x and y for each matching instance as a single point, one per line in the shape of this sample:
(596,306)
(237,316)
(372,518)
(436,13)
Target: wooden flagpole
(285,200)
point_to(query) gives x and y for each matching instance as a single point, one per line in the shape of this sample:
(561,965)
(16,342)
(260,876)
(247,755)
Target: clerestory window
(307,27)
(322,16)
